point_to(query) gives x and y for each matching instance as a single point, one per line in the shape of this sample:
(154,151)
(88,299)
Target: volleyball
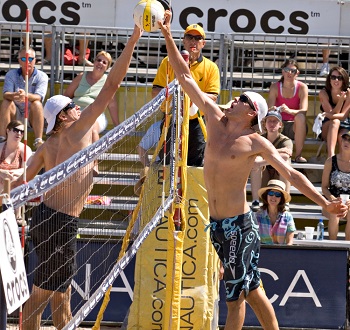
(147,13)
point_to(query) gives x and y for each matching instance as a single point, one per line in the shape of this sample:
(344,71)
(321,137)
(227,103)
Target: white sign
(14,277)
(303,17)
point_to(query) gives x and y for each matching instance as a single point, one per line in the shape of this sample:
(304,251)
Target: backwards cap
(52,108)
(259,104)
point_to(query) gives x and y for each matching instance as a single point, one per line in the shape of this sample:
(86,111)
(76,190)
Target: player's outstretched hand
(337,207)
(165,23)
(137,32)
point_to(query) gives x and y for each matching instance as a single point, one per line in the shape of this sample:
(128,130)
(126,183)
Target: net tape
(42,183)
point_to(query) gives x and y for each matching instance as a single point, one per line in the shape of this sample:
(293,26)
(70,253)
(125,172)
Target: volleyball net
(116,224)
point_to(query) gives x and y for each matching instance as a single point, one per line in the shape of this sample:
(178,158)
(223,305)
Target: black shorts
(237,242)
(54,237)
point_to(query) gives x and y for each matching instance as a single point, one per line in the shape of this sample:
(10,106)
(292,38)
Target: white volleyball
(147,13)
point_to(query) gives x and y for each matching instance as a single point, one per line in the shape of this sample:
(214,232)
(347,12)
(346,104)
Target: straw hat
(138,185)
(276,185)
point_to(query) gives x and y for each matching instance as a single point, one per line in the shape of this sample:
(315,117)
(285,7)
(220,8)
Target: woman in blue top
(276,225)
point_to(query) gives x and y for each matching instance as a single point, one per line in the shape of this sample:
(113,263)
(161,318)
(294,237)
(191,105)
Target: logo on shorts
(233,248)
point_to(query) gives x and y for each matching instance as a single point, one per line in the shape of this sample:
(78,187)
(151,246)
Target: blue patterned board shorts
(237,242)
(54,236)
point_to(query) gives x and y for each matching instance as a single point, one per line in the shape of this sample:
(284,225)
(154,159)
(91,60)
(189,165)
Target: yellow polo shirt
(204,71)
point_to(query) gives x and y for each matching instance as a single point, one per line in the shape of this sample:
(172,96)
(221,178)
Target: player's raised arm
(113,81)
(182,70)
(271,155)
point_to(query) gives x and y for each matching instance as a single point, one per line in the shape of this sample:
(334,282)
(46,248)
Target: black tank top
(339,182)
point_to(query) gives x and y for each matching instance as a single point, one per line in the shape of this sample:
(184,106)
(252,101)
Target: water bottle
(320,230)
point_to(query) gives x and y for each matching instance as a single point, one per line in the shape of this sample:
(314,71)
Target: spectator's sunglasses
(274,193)
(335,77)
(289,70)
(346,138)
(30,59)
(190,37)
(17,130)
(100,60)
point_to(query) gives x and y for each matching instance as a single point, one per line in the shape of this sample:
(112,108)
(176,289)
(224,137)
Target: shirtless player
(232,146)
(55,221)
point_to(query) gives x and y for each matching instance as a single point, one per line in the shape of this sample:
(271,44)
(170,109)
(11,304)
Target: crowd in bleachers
(287,101)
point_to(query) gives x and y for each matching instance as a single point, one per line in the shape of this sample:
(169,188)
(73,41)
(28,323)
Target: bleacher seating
(245,63)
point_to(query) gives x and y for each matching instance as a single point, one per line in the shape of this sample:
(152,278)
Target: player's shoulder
(260,142)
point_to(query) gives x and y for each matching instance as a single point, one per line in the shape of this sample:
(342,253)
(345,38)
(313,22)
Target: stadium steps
(305,212)
(116,178)
(301,210)
(118,185)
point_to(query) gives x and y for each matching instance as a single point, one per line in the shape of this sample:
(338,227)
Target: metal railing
(245,61)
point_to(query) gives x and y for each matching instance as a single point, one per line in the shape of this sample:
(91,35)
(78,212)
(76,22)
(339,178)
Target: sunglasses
(245,99)
(30,59)
(99,60)
(274,193)
(334,77)
(191,37)
(346,138)
(289,70)
(69,106)
(17,130)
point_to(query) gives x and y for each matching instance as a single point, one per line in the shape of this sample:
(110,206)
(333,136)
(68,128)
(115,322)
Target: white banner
(304,17)
(14,277)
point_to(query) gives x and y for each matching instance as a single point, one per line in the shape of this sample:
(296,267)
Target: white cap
(257,101)
(53,107)
(259,104)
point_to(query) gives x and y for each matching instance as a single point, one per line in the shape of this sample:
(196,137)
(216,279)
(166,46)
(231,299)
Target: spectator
(290,96)
(13,104)
(325,66)
(83,44)
(276,224)
(336,181)
(207,76)
(335,104)
(12,157)
(87,85)
(262,172)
